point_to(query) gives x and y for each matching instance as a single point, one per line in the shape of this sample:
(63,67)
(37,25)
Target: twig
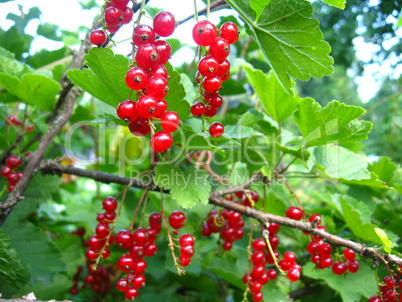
(216,5)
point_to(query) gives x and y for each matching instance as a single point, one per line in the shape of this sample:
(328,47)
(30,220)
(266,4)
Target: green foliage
(337,3)
(290,40)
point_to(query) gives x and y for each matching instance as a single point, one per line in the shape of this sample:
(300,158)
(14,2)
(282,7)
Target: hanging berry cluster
(9,170)
(213,68)
(115,14)
(388,288)
(13,120)
(149,78)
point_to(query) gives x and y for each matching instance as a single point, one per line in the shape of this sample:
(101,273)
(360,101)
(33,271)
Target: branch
(216,5)
(262,217)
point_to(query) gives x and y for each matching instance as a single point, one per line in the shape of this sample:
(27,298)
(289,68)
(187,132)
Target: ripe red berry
(216,129)
(313,247)
(124,239)
(95,242)
(204,33)
(325,249)
(139,266)
(339,268)
(5,171)
(184,261)
(161,141)
(127,15)
(136,78)
(349,254)
(127,111)
(91,254)
(353,266)
(109,204)
(150,249)
(216,101)
(272,274)
(258,271)
(10,188)
(30,128)
(131,293)
(289,257)
(157,87)
(125,263)
(187,251)
(284,265)
(223,69)
(158,70)
(13,162)
(97,37)
(122,285)
(256,287)
(139,127)
(177,219)
(212,84)
(13,178)
(119,3)
(155,220)
(314,217)
(229,31)
(113,29)
(259,244)
(113,16)
(257,297)
(219,49)
(138,281)
(208,66)
(186,239)
(294,213)
(147,56)
(137,251)
(170,121)
(143,34)
(273,227)
(161,108)
(293,275)
(164,24)
(325,262)
(197,109)
(374,299)
(164,51)
(102,230)
(140,237)
(146,106)
(257,257)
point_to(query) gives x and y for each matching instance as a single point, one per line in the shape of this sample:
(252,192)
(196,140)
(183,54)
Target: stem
(195,10)
(208,8)
(389,271)
(288,165)
(136,210)
(265,235)
(294,194)
(209,170)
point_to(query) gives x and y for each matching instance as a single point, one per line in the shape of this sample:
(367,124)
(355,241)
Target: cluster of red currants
(149,78)
(98,279)
(140,243)
(177,220)
(213,68)
(388,288)
(13,120)
(98,243)
(8,171)
(116,13)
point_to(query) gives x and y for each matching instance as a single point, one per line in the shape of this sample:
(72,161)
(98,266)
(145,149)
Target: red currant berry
(314,217)
(161,108)
(216,129)
(97,37)
(164,51)
(177,219)
(153,233)
(131,293)
(284,265)
(293,275)
(150,249)
(125,263)
(30,128)
(147,56)
(223,69)
(5,171)
(349,254)
(122,285)
(95,243)
(257,297)
(124,239)
(204,33)
(155,220)
(216,101)
(294,213)
(247,278)
(374,299)
(19,175)
(289,257)
(127,111)
(233,219)
(113,16)
(325,249)
(13,178)
(272,274)
(257,257)
(325,262)
(208,66)
(164,24)
(184,261)
(255,287)
(229,31)
(157,87)
(139,127)
(205,230)
(113,29)
(353,266)
(29,154)
(100,217)
(186,239)
(140,237)
(158,70)
(273,227)
(91,254)
(146,106)
(258,271)
(161,141)
(225,77)
(239,233)
(212,84)
(264,279)
(219,49)
(137,251)
(143,34)
(139,266)
(119,3)
(259,244)
(109,204)
(313,247)
(136,78)
(197,109)
(339,268)
(13,120)
(187,251)
(127,15)
(170,121)
(102,230)
(138,281)
(13,162)
(105,253)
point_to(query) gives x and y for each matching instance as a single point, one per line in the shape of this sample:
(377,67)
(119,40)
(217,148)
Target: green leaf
(352,287)
(9,65)
(358,218)
(332,124)
(278,103)
(386,170)
(337,3)
(187,187)
(4,240)
(258,6)
(15,42)
(191,91)
(338,164)
(290,40)
(21,21)
(385,240)
(81,113)
(177,93)
(33,89)
(105,77)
